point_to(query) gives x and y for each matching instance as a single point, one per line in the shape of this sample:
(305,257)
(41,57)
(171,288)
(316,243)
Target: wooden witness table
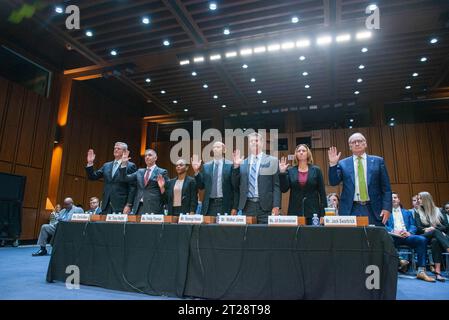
(228,262)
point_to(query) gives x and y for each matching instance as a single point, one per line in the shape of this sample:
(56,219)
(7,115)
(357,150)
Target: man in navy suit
(366,186)
(216,179)
(118,195)
(402,228)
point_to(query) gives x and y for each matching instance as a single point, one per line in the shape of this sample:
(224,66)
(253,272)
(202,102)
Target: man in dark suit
(117,195)
(215,178)
(366,185)
(257,179)
(402,228)
(150,184)
(94,204)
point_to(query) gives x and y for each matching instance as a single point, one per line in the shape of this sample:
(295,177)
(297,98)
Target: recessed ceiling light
(343,37)
(274,47)
(226,31)
(245,66)
(391,124)
(307,86)
(302,43)
(215,57)
(212,6)
(223,106)
(408,87)
(434,40)
(364,50)
(323,40)
(351,120)
(264,101)
(363,35)
(302,58)
(215,97)
(423,59)
(184,62)
(194,73)
(113,52)
(305,73)
(89,33)
(309,97)
(147,80)
(166,43)
(295,19)
(175,101)
(372,7)
(350,127)
(288,45)
(185,110)
(198,59)
(359,80)
(356,92)
(163,91)
(415,74)
(259,91)
(361,67)
(391,119)
(253,80)
(145,20)
(59,10)
(260,49)
(205,86)
(231,54)
(246,51)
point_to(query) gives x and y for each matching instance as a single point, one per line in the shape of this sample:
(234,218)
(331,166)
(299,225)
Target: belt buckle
(363,203)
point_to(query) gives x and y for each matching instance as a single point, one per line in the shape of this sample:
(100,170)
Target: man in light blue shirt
(49,229)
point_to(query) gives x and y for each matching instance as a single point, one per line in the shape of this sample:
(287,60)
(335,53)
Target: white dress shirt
(356,176)
(398,219)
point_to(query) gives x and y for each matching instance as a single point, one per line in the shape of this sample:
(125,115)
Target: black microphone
(303,208)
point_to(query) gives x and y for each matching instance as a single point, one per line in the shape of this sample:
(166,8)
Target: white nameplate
(116,218)
(187,218)
(239,220)
(80,217)
(152,218)
(283,220)
(345,221)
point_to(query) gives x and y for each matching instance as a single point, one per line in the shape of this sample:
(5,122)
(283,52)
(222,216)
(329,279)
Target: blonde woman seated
(433,225)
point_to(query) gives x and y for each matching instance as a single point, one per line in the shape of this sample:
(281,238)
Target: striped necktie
(252,179)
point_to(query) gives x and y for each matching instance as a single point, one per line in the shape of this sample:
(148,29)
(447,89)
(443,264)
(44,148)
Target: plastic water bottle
(165,212)
(315,220)
(218,218)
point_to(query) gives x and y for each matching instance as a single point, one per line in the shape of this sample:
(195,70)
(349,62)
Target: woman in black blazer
(181,193)
(306,185)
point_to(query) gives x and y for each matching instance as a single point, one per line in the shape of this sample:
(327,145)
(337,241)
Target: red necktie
(146,178)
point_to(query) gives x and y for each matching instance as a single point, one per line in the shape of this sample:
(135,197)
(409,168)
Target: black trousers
(439,243)
(215,206)
(254,209)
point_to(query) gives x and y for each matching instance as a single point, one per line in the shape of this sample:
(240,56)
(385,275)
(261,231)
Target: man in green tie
(366,185)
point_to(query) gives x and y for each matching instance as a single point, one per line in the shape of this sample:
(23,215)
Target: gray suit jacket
(151,194)
(267,182)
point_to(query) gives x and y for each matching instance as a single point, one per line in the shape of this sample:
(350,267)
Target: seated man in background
(94,204)
(402,228)
(54,215)
(49,229)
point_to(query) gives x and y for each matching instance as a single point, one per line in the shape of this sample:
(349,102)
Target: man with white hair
(366,185)
(118,195)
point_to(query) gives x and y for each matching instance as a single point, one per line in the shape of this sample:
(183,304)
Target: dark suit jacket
(409,222)
(96,211)
(151,194)
(189,200)
(204,180)
(117,192)
(313,191)
(267,183)
(420,225)
(379,188)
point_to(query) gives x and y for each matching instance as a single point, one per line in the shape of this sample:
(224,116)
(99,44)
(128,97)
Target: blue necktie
(252,179)
(114,169)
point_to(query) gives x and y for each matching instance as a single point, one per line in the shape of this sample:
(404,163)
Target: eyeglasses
(180,165)
(357,141)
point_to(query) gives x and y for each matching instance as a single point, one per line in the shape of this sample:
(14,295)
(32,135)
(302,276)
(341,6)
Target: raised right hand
(196,163)
(237,160)
(125,158)
(283,165)
(333,156)
(90,156)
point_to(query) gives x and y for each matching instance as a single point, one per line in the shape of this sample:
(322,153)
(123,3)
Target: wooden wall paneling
(429,187)
(5,167)
(93,189)
(28,128)
(42,134)
(442,193)
(401,154)
(425,147)
(29,217)
(375,141)
(73,148)
(4,84)
(437,154)
(74,188)
(13,117)
(413,154)
(81,154)
(341,142)
(404,192)
(32,186)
